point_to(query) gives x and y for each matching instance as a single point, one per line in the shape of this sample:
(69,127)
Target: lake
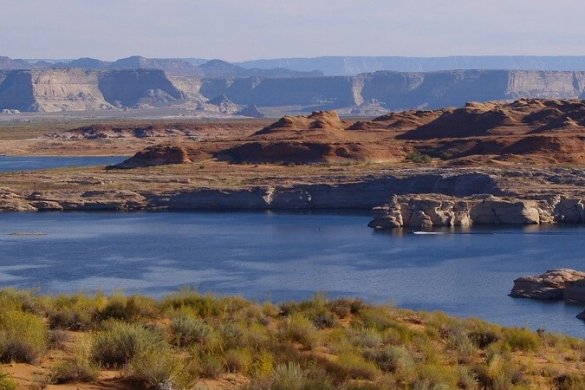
(282,256)
(30,163)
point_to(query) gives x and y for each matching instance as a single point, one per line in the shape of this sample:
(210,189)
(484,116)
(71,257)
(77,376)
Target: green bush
(288,377)
(188,330)
(396,360)
(23,337)
(162,369)
(7,383)
(120,342)
(418,157)
(75,312)
(78,368)
(365,338)
(238,360)
(202,305)
(520,339)
(352,365)
(120,307)
(298,328)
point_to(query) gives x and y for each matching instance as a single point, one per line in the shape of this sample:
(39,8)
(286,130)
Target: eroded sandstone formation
(428,211)
(551,285)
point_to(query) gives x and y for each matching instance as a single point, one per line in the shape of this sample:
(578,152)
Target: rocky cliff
(397,91)
(75,89)
(81,90)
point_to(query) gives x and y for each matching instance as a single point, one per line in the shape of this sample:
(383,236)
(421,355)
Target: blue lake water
(291,256)
(29,163)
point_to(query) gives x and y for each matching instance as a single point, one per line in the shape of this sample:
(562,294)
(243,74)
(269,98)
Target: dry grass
(188,339)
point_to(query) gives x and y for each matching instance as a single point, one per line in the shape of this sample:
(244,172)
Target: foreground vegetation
(189,340)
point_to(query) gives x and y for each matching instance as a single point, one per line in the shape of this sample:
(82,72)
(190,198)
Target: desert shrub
(396,360)
(461,345)
(288,377)
(376,318)
(499,373)
(397,334)
(569,382)
(340,307)
(232,335)
(365,338)
(299,329)
(57,339)
(160,368)
(520,339)
(238,360)
(23,337)
(211,366)
(120,307)
(418,157)
(326,319)
(7,383)
(435,377)
(466,378)
(263,364)
(352,365)
(17,300)
(202,305)
(426,350)
(78,368)
(188,330)
(482,339)
(120,342)
(76,312)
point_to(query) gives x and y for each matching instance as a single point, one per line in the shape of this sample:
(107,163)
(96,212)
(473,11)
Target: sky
(236,30)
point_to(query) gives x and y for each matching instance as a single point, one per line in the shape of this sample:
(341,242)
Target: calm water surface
(291,256)
(30,163)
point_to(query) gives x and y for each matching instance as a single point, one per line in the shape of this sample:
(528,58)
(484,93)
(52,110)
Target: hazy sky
(249,29)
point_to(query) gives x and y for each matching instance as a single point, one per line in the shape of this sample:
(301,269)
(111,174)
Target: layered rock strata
(428,211)
(557,284)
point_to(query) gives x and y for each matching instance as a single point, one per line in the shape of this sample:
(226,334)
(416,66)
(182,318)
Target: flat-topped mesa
(550,285)
(155,155)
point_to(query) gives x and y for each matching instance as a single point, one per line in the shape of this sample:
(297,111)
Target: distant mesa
(154,156)
(250,111)
(224,104)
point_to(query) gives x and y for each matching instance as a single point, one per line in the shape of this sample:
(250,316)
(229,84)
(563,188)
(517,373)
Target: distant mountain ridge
(173,66)
(308,67)
(50,90)
(349,66)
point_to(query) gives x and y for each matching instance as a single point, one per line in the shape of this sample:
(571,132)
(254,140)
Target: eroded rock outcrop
(423,211)
(156,155)
(550,285)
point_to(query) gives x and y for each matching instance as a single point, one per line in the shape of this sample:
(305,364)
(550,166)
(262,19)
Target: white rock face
(68,90)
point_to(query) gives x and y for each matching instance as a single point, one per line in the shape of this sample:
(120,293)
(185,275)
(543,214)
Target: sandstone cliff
(62,89)
(81,90)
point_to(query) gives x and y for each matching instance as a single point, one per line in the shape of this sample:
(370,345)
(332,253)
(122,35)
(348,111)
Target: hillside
(189,340)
